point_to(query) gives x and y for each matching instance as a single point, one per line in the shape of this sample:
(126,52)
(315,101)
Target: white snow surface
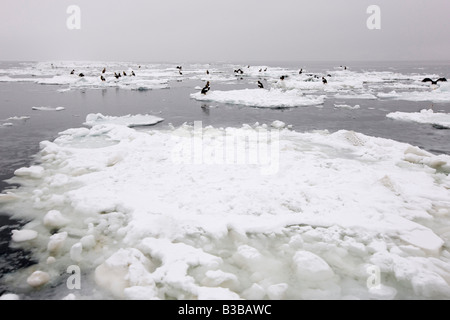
(262,98)
(147,223)
(427,116)
(128,120)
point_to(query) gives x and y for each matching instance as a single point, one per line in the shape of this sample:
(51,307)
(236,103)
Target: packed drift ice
(313,87)
(180,214)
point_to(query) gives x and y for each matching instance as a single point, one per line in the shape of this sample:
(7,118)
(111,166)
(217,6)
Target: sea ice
(128,120)
(427,116)
(262,98)
(145,227)
(48,108)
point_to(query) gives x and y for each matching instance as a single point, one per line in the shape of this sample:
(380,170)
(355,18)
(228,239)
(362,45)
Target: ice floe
(262,98)
(424,116)
(340,209)
(48,108)
(128,120)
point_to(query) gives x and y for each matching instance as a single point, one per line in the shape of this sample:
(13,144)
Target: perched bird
(179,71)
(324,80)
(81,75)
(133,74)
(260,85)
(301,71)
(283,77)
(206,88)
(116,75)
(265,69)
(104,70)
(260,70)
(102,78)
(124,73)
(72,72)
(434,81)
(207,71)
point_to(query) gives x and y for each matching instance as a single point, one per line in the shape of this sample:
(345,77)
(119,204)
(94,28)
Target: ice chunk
(38,278)
(56,242)
(34,172)
(278,124)
(125,269)
(9,296)
(424,116)
(48,108)
(23,235)
(310,267)
(128,120)
(54,219)
(76,252)
(346,106)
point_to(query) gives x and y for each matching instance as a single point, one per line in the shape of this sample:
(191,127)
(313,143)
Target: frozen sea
(361,191)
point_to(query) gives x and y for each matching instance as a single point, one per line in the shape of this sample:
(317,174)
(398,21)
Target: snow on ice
(262,98)
(146,227)
(427,116)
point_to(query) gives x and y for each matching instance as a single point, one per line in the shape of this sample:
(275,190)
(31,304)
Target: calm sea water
(19,143)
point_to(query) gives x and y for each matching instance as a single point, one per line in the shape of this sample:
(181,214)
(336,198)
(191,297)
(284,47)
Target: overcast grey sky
(225,30)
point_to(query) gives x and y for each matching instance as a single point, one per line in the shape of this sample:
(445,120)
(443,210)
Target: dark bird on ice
(206,88)
(301,71)
(207,71)
(133,74)
(434,81)
(283,77)
(117,75)
(102,78)
(72,72)
(81,75)
(124,73)
(104,70)
(324,80)
(260,85)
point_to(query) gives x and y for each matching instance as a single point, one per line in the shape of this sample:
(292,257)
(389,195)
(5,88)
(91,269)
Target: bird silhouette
(102,78)
(324,80)
(104,70)
(434,81)
(260,85)
(81,75)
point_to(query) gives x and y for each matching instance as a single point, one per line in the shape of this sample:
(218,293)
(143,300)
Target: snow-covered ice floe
(159,214)
(427,116)
(262,98)
(48,108)
(128,120)
(439,94)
